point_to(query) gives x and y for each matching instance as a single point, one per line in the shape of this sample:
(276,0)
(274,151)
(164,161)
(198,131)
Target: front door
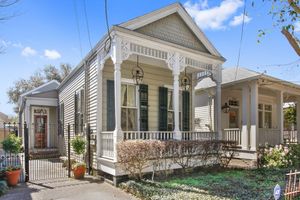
(40,131)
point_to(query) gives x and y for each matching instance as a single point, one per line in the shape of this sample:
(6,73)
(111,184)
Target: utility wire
(87,23)
(108,41)
(282,64)
(241,41)
(77,24)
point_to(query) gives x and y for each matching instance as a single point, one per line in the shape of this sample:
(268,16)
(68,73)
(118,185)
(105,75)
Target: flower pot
(12,177)
(79,172)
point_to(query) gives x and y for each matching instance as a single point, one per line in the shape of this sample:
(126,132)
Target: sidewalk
(67,189)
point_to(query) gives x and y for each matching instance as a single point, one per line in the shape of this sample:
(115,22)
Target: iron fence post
(26,152)
(89,147)
(69,150)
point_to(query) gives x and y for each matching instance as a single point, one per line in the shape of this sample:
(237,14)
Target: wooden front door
(40,131)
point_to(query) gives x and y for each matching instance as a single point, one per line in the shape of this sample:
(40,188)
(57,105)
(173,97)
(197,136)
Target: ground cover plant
(212,184)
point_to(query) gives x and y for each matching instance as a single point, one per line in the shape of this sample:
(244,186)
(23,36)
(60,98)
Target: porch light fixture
(137,73)
(226,108)
(185,82)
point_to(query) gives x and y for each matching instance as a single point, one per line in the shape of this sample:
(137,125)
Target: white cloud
(237,20)
(215,17)
(52,54)
(297,27)
(28,51)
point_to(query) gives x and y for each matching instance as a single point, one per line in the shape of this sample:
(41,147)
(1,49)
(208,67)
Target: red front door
(40,131)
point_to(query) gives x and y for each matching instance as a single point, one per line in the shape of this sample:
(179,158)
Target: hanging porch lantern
(185,82)
(137,73)
(226,108)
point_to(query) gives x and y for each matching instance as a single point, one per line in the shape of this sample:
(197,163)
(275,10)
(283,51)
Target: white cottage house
(169,51)
(252,108)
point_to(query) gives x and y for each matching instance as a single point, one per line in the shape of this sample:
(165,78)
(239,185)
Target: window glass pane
(260,119)
(170,100)
(233,118)
(268,107)
(132,120)
(124,95)
(260,106)
(124,119)
(131,96)
(268,120)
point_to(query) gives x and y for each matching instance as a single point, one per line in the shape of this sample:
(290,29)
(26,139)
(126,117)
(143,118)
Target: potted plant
(78,145)
(12,145)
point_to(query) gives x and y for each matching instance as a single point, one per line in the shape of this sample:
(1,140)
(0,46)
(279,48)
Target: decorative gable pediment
(173,29)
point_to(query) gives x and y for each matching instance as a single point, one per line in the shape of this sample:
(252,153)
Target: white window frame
(170,89)
(264,111)
(137,100)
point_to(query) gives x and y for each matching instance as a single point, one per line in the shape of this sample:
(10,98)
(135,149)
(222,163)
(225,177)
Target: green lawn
(212,184)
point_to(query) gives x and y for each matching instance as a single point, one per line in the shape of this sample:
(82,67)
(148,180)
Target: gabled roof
(235,75)
(46,87)
(151,17)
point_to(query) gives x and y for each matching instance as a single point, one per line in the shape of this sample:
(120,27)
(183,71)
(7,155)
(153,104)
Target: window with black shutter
(110,115)
(79,111)
(163,109)
(143,107)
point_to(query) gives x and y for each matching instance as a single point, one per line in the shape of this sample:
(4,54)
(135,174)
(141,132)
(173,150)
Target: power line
(282,64)
(108,41)
(87,23)
(241,41)
(77,24)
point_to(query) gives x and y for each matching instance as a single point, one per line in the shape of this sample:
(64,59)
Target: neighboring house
(38,108)
(102,92)
(254,102)
(3,119)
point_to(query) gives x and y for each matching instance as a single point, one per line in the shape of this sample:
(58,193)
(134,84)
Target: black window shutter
(144,107)
(75,114)
(185,110)
(110,120)
(163,109)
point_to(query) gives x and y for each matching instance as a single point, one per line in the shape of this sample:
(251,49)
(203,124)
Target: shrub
(274,157)
(12,144)
(136,155)
(78,145)
(3,187)
(293,155)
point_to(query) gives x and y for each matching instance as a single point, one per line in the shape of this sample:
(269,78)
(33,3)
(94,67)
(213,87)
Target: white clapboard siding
(154,77)
(202,107)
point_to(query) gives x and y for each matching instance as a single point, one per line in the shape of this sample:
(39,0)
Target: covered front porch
(255,115)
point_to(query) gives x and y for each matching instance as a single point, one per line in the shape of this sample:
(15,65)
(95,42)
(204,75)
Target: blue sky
(45,32)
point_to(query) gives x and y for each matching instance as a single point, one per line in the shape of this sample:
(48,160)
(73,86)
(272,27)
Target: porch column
(100,63)
(176,73)
(117,60)
(218,102)
(28,122)
(280,114)
(298,119)
(245,117)
(254,116)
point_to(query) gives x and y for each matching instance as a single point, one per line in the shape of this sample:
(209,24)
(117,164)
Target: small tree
(78,145)
(12,144)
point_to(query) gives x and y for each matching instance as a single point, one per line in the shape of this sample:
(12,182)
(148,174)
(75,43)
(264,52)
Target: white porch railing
(107,144)
(148,135)
(196,135)
(269,136)
(232,134)
(291,136)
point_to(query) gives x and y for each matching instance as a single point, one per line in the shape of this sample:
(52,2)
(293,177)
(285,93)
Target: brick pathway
(67,189)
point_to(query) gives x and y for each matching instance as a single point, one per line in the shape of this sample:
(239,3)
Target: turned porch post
(298,118)
(117,60)
(245,117)
(176,73)
(218,102)
(280,114)
(254,116)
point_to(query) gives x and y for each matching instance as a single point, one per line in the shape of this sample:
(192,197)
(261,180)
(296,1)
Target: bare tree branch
(294,42)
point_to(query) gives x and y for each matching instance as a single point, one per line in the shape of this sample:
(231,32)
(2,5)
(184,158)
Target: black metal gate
(46,157)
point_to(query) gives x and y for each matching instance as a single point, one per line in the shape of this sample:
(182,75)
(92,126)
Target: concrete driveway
(67,189)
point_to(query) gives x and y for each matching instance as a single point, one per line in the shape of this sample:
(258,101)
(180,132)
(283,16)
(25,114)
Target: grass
(213,184)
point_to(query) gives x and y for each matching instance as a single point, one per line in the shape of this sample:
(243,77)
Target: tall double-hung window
(79,111)
(129,107)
